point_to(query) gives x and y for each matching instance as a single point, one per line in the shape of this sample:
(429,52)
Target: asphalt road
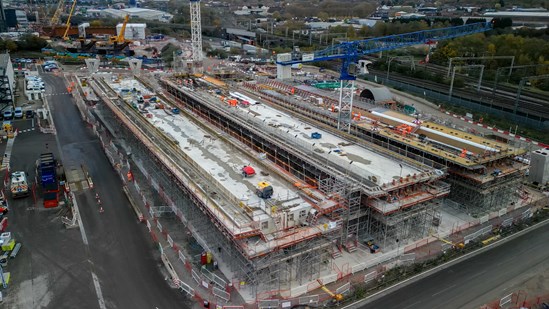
(55,268)
(483,278)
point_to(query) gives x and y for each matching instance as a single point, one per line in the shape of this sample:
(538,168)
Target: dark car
(29,114)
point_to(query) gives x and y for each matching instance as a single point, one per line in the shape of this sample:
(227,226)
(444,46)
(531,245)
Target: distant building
(146,14)
(133,31)
(11,19)
(21,17)
(7,80)
(253,10)
(16,18)
(521,18)
(317,25)
(3,25)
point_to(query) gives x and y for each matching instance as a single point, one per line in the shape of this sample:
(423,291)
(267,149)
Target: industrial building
(147,14)
(3,23)
(7,80)
(133,31)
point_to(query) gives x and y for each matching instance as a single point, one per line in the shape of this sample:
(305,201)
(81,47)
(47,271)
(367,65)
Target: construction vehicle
(52,179)
(19,185)
(116,43)
(68,23)
(120,38)
(264,190)
(336,297)
(372,246)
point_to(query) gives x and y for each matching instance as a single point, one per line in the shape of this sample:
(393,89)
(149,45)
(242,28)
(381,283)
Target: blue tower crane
(350,53)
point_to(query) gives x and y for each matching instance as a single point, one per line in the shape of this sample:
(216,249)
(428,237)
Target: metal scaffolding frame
(304,261)
(480,199)
(340,185)
(405,225)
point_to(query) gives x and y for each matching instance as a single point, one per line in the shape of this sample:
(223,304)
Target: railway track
(484,97)
(501,89)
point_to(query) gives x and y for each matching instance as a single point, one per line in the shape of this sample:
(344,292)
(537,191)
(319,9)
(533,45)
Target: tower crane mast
(196,35)
(55,18)
(350,52)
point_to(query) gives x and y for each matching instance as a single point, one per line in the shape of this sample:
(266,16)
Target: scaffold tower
(196,35)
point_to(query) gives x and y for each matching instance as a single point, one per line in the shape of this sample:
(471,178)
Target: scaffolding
(460,155)
(348,202)
(480,199)
(350,192)
(304,260)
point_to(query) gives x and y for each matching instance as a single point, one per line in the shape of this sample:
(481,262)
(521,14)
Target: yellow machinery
(454,245)
(68,24)
(336,297)
(55,18)
(120,38)
(264,190)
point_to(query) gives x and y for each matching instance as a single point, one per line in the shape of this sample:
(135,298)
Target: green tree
(351,33)
(11,46)
(323,16)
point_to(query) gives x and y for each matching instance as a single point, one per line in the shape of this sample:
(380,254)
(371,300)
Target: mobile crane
(68,23)
(350,52)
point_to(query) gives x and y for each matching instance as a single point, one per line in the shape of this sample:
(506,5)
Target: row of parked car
(23,60)
(16,113)
(35,83)
(50,65)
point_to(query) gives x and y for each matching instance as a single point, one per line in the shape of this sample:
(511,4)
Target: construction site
(485,174)
(281,199)
(289,188)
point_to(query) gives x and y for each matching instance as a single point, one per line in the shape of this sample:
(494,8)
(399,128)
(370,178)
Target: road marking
(388,290)
(98,290)
(443,290)
(410,306)
(96,284)
(7,154)
(478,274)
(80,224)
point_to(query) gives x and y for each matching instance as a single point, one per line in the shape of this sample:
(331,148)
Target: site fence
(518,299)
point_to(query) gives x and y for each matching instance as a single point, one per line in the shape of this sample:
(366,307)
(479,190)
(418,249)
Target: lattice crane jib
(196,33)
(350,52)
(55,18)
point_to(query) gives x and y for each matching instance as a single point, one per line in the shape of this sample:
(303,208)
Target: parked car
(29,114)
(8,114)
(18,113)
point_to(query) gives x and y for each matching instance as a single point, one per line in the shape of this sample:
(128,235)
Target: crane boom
(351,51)
(121,36)
(68,24)
(55,18)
